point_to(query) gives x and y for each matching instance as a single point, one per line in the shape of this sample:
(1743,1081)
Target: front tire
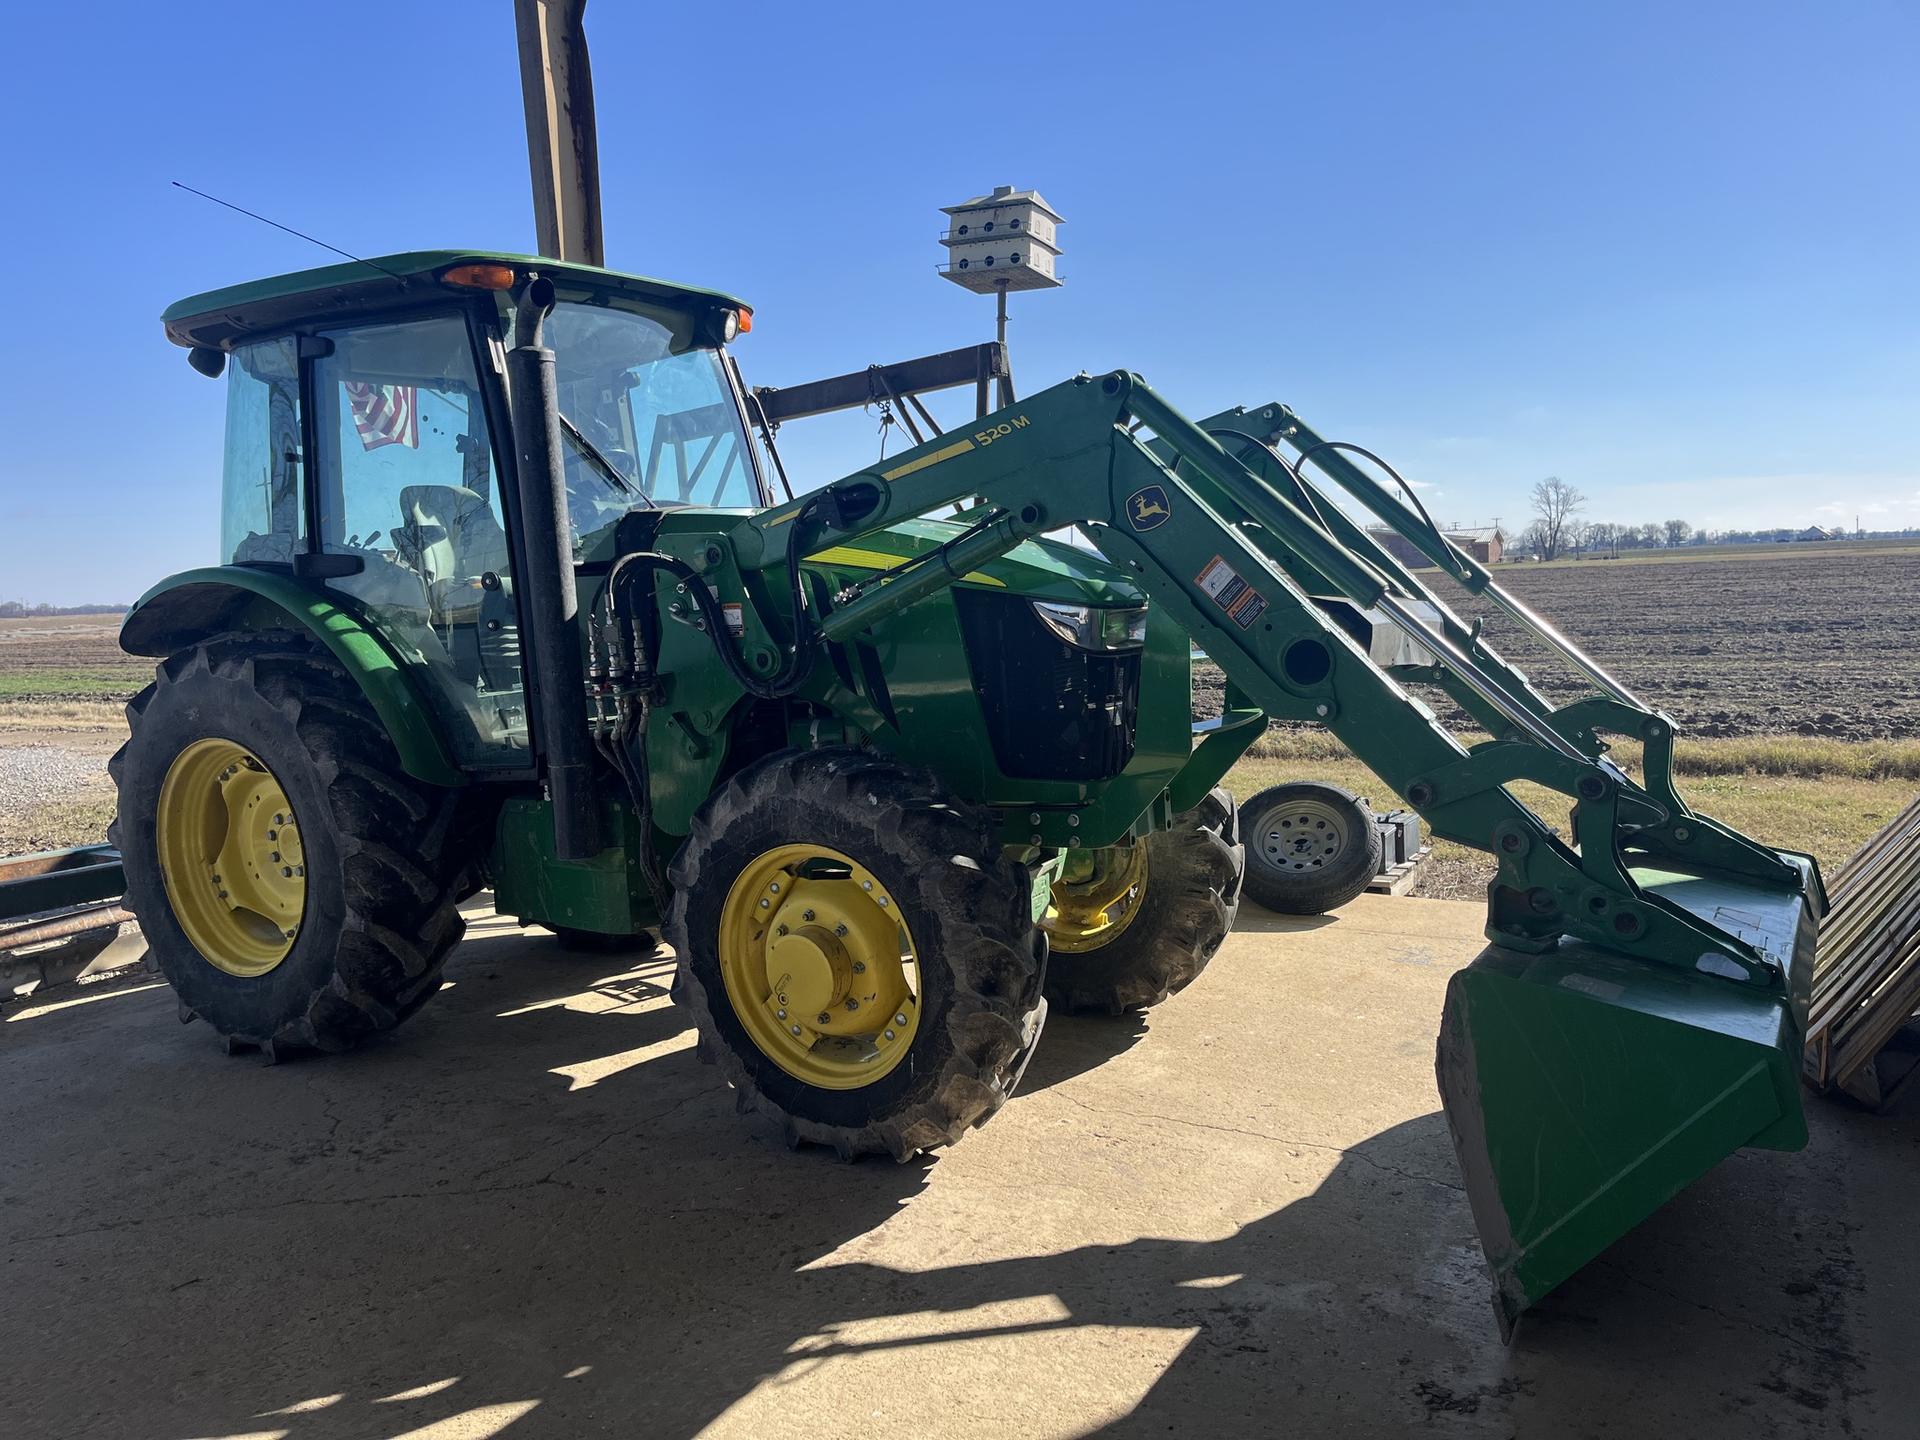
(857,954)
(1134,924)
(295,886)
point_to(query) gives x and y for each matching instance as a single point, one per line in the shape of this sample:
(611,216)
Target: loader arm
(1237,559)
(1640,1012)
(1680,834)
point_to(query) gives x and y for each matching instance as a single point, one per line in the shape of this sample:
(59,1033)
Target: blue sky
(1666,252)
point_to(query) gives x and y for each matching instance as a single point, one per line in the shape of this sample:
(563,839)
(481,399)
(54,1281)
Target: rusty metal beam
(976,364)
(78,922)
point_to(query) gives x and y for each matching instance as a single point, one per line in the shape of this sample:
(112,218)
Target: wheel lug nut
(825,1017)
(841,930)
(273,834)
(300,870)
(779,929)
(859,967)
(806,915)
(276,855)
(286,872)
(852,1005)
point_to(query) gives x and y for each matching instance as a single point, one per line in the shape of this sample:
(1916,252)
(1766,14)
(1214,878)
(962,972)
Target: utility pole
(556,89)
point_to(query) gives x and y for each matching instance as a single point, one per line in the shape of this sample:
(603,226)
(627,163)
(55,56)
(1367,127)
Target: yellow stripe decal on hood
(945,452)
(849,557)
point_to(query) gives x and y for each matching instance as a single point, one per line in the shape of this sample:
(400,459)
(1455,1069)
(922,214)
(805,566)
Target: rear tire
(955,902)
(1189,894)
(1310,847)
(385,857)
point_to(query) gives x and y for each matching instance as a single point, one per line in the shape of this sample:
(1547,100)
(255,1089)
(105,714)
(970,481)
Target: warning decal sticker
(1241,601)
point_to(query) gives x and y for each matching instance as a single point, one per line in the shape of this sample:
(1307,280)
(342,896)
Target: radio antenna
(357,259)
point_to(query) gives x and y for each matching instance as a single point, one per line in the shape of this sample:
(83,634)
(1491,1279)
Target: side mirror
(208,361)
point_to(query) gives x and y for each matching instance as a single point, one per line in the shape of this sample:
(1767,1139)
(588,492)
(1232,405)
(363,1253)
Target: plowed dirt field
(1822,642)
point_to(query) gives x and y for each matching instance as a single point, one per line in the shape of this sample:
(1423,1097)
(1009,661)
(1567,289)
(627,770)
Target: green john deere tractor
(508,599)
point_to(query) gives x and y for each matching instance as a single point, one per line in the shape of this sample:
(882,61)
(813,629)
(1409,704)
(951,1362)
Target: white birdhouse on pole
(1001,242)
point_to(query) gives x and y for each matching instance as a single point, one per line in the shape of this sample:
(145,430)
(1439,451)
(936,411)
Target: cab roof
(221,319)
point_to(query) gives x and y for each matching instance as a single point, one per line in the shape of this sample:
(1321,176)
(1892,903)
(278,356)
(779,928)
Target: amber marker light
(479,277)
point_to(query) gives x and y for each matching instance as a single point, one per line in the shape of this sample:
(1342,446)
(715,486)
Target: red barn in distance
(1485,545)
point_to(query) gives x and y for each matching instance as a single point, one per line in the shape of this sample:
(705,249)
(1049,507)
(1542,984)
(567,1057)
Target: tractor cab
(367,445)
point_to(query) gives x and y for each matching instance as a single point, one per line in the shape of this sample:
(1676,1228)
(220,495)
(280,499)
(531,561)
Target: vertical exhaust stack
(550,605)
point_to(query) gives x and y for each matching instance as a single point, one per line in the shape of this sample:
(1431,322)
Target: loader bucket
(1584,1089)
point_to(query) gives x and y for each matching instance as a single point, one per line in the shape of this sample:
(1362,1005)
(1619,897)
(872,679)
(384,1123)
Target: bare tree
(1677,532)
(1555,503)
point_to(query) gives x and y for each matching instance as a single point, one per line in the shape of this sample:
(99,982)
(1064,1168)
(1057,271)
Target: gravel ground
(39,774)
(52,796)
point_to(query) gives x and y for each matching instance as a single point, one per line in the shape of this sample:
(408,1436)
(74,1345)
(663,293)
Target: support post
(1000,335)
(556,89)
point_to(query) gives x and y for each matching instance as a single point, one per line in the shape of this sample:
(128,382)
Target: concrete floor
(531,1212)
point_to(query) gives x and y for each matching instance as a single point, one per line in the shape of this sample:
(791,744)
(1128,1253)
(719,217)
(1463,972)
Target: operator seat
(452,538)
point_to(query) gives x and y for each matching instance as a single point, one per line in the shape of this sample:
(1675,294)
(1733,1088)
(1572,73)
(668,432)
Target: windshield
(639,399)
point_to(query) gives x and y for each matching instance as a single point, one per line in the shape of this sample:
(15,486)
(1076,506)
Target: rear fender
(185,609)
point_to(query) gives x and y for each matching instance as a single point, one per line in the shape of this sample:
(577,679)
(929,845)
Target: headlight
(1094,627)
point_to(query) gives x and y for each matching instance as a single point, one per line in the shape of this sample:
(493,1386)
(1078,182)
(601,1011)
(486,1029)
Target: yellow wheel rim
(1096,898)
(820,967)
(231,857)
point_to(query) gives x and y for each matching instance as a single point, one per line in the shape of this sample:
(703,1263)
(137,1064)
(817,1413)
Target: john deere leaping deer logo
(1148,508)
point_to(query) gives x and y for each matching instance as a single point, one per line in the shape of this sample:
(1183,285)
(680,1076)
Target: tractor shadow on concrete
(533,1213)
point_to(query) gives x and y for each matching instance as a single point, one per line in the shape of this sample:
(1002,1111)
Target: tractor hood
(1044,569)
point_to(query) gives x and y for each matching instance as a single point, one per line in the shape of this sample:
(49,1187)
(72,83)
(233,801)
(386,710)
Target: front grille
(1053,711)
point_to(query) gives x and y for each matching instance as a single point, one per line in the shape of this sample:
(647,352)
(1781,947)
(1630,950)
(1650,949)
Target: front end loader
(507,600)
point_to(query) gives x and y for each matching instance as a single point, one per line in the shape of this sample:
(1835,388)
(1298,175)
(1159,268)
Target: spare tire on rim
(1311,847)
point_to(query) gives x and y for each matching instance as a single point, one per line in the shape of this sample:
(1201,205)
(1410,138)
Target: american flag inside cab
(384,414)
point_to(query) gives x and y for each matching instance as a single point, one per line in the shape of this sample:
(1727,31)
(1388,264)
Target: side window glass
(407,484)
(260,490)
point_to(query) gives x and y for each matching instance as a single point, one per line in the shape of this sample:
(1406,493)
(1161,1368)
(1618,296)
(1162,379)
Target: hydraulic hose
(789,678)
(1300,465)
